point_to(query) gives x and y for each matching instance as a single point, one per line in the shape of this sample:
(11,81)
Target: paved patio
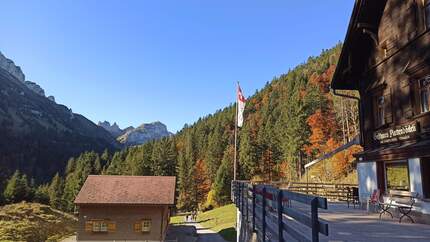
(348,224)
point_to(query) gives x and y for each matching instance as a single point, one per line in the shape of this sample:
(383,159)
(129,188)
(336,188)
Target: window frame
(422,90)
(426,14)
(147,228)
(396,163)
(379,111)
(100,226)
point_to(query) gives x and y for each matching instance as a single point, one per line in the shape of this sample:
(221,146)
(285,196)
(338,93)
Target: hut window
(100,226)
(427,14)
(397,176)
(146,225)
(380,111)
(425,94)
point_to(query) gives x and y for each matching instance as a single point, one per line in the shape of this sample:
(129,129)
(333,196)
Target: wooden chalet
(125,208)
(386,58)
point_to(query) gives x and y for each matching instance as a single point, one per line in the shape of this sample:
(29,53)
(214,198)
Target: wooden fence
(331,191)
(269,212)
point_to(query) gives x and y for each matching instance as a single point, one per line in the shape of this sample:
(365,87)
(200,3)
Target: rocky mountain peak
(9,67)
(35,88)
(153,125)
(12,69)
(135,136)
(113,129)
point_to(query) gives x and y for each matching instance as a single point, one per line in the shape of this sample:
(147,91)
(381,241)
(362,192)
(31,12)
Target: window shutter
(138,227)
(111,226)
(375,111)
(415,98)
(368,111)
(88,226)
(411,17)
(407,97)
(388,108)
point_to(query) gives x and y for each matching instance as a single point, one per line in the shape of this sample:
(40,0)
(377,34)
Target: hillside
(293,118)
(34,222)
(38,136)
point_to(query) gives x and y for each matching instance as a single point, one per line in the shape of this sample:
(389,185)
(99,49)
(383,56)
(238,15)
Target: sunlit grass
(221,220)
(34,222)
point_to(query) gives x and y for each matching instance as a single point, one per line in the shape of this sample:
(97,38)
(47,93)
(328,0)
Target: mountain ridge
(39,135)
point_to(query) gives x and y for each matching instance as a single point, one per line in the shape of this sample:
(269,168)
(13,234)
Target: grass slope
(34,222)
(221,220)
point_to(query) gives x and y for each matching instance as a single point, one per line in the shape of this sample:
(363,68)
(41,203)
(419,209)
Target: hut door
(425,171)
(380,174)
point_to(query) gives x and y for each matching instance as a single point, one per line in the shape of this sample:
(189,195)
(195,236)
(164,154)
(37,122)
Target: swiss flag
(240,106)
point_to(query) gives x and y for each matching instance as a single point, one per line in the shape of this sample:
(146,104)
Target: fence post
(243,200)
(280,210)
(253,208)
(247,203)
(234,192)
(263,214)
(314,220)
(238,194)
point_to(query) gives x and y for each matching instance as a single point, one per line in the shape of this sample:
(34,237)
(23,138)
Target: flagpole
(235,137)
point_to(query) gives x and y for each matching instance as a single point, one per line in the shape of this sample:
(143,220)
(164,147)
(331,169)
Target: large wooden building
(125,208)
(386,58)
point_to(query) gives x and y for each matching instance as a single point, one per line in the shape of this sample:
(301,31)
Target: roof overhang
(359,42)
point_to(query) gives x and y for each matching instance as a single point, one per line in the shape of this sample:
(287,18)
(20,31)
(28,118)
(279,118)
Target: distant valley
(131,136)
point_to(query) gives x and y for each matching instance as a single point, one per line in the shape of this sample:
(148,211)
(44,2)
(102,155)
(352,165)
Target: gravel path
(70,239)
(207,235)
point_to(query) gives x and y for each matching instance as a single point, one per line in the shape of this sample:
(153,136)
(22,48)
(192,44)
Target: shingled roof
(148,190)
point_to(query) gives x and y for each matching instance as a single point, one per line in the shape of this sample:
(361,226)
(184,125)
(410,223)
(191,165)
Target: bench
(352,196)
(402,200)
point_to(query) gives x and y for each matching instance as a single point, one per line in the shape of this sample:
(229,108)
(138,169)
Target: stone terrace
(348,224)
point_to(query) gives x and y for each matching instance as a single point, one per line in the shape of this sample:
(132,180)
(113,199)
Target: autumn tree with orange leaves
(202,181)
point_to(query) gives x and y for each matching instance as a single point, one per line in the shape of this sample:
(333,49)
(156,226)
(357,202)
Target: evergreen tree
(214,152)
(97,167)
(55,192)
(41,194)
(71,166)
(105,157)
(248,155)
(224,176)
(16,188)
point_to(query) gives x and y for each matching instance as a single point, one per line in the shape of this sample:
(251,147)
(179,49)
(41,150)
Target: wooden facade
(125,208)
(386,58)
(123,223)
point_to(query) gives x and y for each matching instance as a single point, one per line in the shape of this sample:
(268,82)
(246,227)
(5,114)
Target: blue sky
(172,61)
